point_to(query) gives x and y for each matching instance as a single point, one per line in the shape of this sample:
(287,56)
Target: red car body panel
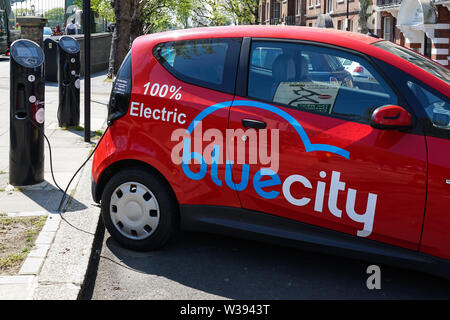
(401,186)
(436,234)
(404,193)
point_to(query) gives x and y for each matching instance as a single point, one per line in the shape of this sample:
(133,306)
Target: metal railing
(53,10)
(275,21)
(289,20)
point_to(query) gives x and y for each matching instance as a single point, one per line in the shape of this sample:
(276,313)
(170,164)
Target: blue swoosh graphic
(248,103)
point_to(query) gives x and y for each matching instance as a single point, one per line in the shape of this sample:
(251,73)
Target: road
(197,266)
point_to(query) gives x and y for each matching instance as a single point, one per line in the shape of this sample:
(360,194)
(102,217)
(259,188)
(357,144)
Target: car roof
(350,40)
(331,36)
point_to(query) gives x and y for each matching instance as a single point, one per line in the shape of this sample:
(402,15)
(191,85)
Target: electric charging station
(69,82)
(51,49)
(27,87)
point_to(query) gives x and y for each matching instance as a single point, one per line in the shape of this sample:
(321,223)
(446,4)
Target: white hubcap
(134,210)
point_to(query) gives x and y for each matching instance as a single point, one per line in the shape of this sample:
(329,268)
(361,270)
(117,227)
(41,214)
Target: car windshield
(428,65)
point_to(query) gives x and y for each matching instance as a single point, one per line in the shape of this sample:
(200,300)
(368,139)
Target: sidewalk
(56,267)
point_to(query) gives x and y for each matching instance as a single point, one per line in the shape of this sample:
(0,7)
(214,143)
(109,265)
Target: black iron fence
(289,20)
(275,21)
(55,11)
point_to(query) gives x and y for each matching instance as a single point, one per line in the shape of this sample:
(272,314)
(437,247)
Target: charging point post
(27,87)
(69,82)
(51,49)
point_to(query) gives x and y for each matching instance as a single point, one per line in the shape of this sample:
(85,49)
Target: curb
(66,265)
(57,267)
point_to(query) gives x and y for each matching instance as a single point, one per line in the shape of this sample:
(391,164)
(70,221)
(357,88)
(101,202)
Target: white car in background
(355,69)
(362,78)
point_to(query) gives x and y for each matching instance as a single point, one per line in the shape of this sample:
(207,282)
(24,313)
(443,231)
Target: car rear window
(210,63)
(426,64)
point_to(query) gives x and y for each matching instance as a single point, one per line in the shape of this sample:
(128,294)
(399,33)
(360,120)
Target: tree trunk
(121,35)
(363,15)
(136,28)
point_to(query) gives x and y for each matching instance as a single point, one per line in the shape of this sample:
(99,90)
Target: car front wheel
(138,210)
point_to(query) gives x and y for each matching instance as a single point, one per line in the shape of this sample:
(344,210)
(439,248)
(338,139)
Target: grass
(98,133)
(74,128)
(16,246)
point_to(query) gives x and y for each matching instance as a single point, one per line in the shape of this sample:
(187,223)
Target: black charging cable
(75,174)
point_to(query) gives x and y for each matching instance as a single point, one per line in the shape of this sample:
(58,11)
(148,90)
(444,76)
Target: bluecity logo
(266,177)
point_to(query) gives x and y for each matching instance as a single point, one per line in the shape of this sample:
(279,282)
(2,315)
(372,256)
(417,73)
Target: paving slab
(17,287)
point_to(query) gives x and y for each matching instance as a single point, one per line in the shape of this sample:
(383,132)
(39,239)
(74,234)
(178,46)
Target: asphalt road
(197,266)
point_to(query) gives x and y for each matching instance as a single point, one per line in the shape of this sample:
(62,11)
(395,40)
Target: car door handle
(251,123)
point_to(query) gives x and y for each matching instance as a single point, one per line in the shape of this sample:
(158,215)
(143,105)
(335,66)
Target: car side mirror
(391,117)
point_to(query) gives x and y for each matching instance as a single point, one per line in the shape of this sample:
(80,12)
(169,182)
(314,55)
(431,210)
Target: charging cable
(75,174)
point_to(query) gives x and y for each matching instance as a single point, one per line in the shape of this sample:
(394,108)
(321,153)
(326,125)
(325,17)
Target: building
(307,12)
(287,12)
(343,13)
(422,25)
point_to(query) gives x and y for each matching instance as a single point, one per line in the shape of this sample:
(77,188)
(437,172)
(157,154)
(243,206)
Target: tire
(139,210)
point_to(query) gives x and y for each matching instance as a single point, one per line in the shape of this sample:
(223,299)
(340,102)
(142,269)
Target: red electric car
(261,132)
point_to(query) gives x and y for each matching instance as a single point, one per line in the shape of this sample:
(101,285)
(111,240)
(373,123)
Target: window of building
(387,28)
(299,7)
(263,12)
(318,3)
(210,63)
(276,10)
(330,6)
(316,79)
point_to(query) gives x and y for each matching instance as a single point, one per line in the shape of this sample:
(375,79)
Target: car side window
(436,107)
(210,63)
(316,79)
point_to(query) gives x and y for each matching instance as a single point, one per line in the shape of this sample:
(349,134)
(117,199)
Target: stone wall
(32,28)
(100,50)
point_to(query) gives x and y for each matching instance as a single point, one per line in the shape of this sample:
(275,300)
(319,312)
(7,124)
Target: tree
(102,7)
(364,13)
(243,11)
(55,15)
(142,17)
(22,12)
(209,13)
(121,36)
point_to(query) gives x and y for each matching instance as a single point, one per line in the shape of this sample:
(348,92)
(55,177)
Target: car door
(435,237)
(303,148)
(170,96)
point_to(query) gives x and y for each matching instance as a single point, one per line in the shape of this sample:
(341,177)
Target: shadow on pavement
(48,197)
(242,269)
